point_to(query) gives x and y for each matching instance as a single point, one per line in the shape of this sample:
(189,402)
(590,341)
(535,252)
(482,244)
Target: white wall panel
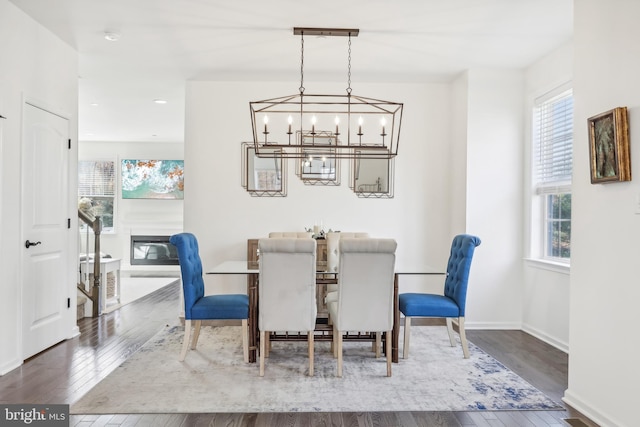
(38,66)
(603,373)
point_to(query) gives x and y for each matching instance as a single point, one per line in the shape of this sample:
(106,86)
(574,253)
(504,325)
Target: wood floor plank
(436,419)
(67,371)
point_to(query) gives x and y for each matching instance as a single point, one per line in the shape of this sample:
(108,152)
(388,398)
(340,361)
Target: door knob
(28,244)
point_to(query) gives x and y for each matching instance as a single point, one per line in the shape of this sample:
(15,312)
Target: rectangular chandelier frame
(353,123)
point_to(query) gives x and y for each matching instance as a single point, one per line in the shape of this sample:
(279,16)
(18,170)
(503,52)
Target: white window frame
(102,194)
(547,181)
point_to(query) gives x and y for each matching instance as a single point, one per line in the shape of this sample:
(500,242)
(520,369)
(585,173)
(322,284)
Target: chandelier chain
(349,68)
(302,62)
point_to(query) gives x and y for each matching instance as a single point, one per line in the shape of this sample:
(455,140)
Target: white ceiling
(164,43)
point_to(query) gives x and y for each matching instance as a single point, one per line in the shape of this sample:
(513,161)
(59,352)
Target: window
(552,168)
(96,181)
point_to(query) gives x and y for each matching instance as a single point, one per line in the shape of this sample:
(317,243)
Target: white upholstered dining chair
(333,247)
(333,256)
(365,291)
(287,290)
(290,235)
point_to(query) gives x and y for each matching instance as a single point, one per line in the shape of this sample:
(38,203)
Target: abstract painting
(152,179)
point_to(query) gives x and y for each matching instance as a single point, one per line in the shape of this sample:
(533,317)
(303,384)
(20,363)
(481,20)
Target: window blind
(96,178)
(553,137)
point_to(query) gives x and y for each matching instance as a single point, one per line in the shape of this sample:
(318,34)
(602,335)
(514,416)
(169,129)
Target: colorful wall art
(152,179)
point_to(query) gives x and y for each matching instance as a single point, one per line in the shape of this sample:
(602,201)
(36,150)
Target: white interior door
(45,214)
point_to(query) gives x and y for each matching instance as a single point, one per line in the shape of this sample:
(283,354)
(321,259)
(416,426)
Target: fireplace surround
(152,250)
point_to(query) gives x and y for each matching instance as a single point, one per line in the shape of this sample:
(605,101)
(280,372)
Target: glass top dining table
(252,271)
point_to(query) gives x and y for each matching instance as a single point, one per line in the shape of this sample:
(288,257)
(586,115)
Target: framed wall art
(152,179)
(263,176)
(609,146)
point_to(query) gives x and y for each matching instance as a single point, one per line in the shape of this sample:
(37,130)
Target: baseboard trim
(562,346)
(75,332)
(10,366)
(492,325)
(587,410)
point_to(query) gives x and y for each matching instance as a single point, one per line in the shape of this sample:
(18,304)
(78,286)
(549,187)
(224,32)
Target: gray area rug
(214,378)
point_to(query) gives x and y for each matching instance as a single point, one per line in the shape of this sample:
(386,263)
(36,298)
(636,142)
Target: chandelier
(337,126)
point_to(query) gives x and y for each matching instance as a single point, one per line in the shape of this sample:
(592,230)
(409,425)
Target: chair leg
(452,340)
(339,350)
(378,344)
(388,349)
(310,337)
(196,334)
(463,337)
(245,340)
(267,344)
(186,339)
(334,342)
(262,350)
(407,332)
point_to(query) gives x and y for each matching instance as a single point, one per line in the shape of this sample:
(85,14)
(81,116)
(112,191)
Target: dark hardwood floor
(65,372)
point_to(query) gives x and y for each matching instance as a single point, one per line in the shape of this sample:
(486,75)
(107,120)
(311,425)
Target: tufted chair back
(287,285)
(365,285)
(458,267)
(290,235)
(333,247)
(365,292)
(190,269)
(287,290)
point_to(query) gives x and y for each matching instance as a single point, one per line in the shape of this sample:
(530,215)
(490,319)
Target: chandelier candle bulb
(383,122)
(360,125)
(313,125)
(266,120)
(290,120)
(337,123)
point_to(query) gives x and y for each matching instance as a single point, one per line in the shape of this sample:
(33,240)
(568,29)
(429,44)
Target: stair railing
(95,223)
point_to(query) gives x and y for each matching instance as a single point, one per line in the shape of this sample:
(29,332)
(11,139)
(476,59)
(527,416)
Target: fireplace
(153,250)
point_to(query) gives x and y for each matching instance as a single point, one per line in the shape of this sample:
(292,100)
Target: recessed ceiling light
(111,36)
(94,104)
(160,101)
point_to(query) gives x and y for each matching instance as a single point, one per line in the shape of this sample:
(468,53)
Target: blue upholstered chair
(197,306)
(450,305)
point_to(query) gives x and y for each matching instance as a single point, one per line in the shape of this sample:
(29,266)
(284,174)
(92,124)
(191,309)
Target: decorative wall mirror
(265,175)
(318,163)
(371,177)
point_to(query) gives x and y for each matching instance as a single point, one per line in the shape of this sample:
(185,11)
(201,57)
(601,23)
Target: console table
(107,265)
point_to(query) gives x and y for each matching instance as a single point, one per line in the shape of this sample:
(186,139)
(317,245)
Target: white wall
(545,287)
(458,147)
(494,196)
(38,66)
(603,362)
(136,216)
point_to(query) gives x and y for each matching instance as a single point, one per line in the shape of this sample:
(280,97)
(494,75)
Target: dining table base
(323,331)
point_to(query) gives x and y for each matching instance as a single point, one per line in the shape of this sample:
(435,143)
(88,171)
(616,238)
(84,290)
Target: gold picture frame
(609,146)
